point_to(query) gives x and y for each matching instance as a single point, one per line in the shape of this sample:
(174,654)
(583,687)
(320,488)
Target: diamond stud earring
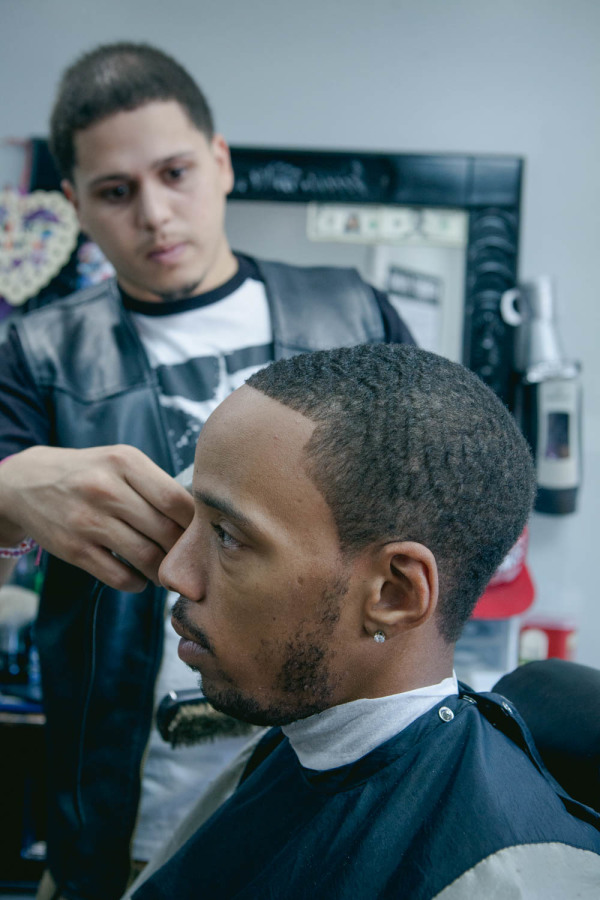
(379,637)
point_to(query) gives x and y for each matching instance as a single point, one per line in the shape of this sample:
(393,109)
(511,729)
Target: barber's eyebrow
(181,156)
(110,176)
(224,506)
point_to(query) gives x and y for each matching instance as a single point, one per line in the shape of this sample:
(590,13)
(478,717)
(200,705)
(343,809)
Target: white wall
(517,76)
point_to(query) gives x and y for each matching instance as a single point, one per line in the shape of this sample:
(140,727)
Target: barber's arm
(86,505)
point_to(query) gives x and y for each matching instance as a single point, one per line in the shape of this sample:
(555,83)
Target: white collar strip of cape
(345,733)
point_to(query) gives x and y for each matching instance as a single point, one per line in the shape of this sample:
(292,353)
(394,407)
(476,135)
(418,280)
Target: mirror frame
(487,187)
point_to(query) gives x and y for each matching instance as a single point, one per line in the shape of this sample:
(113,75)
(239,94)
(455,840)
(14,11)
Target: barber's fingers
(115,500)
(120,482)
(147,498)
(114,549)
(143,548)
(86,505)
(130,507)
(110,550)
(166,495)
(108,568)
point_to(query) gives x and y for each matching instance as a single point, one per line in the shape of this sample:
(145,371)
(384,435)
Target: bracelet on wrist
(26,546)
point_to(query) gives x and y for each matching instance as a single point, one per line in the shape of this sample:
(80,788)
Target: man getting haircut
(350,507)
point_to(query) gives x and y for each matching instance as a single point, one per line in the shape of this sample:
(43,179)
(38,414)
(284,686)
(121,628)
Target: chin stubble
(182,294)
(305,684)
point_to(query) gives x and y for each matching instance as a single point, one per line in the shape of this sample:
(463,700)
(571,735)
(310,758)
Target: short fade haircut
(115,78)
(409,446)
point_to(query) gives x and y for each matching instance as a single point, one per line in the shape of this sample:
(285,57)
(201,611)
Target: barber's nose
(152,207)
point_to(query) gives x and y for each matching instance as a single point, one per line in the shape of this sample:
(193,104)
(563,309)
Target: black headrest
(560,702)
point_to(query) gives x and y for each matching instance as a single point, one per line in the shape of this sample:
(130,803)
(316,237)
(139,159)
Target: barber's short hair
(409,446)
(114,78)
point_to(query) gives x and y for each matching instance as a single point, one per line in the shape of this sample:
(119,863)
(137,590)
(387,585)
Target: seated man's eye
(225,539)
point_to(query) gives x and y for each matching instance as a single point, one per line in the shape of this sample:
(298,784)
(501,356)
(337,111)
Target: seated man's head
(351,506)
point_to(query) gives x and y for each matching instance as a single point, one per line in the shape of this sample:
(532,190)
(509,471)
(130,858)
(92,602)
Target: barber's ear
(222,156)
(70,192)
(68,189)
(405,590)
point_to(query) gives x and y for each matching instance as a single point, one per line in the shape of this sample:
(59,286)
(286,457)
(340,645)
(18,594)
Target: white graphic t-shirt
(201,350)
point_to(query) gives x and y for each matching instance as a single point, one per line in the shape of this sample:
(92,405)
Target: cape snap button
(445,714)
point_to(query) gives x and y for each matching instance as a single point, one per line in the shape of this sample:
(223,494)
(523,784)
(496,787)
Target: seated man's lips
(191,653)
(190,647)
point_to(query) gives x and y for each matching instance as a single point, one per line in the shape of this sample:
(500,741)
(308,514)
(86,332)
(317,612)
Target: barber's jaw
(150,190)
(276,621)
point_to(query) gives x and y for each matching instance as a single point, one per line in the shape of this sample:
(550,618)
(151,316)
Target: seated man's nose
(166,574)
(178,573)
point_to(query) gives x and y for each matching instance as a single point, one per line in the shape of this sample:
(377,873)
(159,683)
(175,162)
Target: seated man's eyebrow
(223,506)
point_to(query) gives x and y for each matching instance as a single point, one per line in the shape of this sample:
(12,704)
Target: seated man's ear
(404,590)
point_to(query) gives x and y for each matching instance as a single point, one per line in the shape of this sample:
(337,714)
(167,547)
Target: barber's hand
(82,504)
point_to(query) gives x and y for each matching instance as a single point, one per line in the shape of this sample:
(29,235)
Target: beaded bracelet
(20,550)
(26,545)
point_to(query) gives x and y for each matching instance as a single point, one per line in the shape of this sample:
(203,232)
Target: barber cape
(457,805)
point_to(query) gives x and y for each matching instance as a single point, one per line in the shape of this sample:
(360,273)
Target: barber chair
(560,703)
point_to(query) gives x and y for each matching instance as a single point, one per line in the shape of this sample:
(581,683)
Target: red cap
(510,590)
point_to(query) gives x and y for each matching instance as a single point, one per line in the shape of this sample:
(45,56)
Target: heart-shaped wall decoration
(38,233)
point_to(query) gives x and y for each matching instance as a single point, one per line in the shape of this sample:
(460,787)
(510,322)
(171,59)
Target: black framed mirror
(476,199)
(284,198)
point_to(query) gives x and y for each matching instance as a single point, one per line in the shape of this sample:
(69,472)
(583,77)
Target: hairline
(208,134)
